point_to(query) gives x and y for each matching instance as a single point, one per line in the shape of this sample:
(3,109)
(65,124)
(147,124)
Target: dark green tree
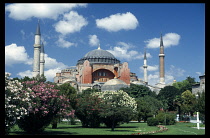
(147,106)
(137,91)
(88,109)
(89,91)
(168,94)
(38,78)
(200,105)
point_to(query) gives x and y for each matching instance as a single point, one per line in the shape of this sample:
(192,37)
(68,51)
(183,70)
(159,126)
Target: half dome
(114,85)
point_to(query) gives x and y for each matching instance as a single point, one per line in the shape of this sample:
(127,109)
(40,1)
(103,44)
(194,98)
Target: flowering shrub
(17,101)
(124,101)
(45,104)
(118,107)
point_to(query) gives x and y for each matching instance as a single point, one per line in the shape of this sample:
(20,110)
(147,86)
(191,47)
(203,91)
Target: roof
(99,53)
(99,56)
(114,85)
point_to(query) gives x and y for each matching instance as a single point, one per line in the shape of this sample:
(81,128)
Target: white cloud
(50,73)
(170,75)
(93,40)
(26,11)
(51,63)
(63,43)
(122,51)
(150,68)
(23,34)
(119,21)
(176,72)
(169,39)
(25,73)
(72,22)
(198,73)
(16,55)
(52,66)
(153,78)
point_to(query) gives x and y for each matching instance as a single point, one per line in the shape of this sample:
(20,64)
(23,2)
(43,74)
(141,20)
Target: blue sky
(69,31)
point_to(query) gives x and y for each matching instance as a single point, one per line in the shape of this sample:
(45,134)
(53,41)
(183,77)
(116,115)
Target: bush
(166,118)
(87,109)
(152,121)
(118,107)
(46,103)
(17,102)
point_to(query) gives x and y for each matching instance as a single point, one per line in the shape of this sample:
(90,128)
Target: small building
(199,87)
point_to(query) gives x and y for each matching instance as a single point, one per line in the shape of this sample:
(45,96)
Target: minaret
(42,61)
(161,58)
(145,68)
(37,46)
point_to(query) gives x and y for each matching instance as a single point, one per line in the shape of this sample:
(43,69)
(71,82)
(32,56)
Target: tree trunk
(54,125)
(113,124)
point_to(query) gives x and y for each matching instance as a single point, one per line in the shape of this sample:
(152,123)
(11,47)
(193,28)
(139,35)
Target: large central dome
(98,53)
(99,56)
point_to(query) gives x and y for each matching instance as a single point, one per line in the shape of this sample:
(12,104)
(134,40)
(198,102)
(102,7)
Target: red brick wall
(87,72)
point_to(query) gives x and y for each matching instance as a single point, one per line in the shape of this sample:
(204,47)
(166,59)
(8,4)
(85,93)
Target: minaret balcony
(37,45)
(144,66)
(161,55)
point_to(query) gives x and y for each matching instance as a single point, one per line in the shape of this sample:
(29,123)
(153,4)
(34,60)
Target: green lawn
(125,129)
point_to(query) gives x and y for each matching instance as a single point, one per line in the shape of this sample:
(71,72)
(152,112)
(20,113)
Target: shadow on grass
(118,130)
(45,133)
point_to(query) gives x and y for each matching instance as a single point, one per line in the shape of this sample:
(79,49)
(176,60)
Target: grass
(124,129)
(182,129)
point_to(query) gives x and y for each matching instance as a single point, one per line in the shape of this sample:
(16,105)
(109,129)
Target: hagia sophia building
(97,69)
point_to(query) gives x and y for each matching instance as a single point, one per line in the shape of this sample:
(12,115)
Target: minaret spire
(38,29)
(161,40)
(145,67)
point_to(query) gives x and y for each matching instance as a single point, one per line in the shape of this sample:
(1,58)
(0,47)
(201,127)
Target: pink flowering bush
(46,103)
(17,102)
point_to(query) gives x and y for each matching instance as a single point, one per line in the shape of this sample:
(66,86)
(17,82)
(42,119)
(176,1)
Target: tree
(185,84)
(69,91)
(119,107)
(38,78)
(147,106)
(200,105)
(88,109)
(177,103)
(137,91)
(89,90)
(168,94)
(188,102)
